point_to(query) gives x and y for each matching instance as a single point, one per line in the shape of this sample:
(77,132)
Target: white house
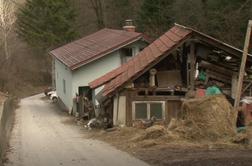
(80,62)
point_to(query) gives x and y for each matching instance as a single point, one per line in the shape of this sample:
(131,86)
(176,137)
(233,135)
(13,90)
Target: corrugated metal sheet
(94,46)
(164,44)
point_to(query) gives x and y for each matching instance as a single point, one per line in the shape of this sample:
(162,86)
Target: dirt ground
(166,152)
(2,98)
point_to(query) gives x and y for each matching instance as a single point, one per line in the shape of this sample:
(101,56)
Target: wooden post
(243,64)
(234,84)
(192,65)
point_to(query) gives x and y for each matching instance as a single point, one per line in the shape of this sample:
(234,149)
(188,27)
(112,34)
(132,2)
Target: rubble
(94,123)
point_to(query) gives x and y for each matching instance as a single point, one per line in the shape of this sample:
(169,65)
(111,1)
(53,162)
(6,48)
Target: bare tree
(98,9)
(7,20)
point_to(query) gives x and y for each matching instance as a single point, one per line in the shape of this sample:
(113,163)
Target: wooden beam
(246,87)
(215,68)
(221,65)
(221,46)
(192,65)
(234,84)
(243,64)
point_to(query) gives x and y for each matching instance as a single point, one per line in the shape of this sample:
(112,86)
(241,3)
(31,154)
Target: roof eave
(74,67)
(212,38)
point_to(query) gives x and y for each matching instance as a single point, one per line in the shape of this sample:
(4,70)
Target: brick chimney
(129,26)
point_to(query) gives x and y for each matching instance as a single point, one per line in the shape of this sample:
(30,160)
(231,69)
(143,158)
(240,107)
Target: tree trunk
(98,9)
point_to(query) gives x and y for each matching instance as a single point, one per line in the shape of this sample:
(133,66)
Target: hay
(155,131)
(152,132)
(241,138)
(208,118)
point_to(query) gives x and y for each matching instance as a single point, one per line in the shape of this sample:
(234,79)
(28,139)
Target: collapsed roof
(155,52)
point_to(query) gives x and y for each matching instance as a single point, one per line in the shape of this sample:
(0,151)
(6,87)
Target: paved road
(44,136)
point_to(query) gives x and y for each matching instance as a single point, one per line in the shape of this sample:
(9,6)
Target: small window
(141,111)
(156,109)
(64,86)
(148,109)
(126,54)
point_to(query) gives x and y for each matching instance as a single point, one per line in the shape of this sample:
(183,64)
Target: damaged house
(81,61)
(155,82)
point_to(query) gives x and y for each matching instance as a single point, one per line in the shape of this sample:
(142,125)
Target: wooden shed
(155,82)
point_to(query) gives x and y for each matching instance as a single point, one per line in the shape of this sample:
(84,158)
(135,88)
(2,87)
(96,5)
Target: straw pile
(208,118)
(153,132)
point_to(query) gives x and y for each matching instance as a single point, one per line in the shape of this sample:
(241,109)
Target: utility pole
(243,65)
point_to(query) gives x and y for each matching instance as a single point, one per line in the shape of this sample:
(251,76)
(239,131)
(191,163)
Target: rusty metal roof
(94,46)
(161,47)
(119,76)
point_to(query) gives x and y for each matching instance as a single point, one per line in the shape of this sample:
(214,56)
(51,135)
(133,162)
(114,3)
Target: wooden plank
(243,64)
(157,98)
(218,76)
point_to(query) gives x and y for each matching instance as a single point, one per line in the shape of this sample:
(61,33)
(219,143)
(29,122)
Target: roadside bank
(7,107)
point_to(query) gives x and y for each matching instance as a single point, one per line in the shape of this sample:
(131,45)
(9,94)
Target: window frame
(148,109)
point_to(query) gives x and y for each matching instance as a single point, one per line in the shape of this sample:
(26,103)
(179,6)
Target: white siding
(63,73)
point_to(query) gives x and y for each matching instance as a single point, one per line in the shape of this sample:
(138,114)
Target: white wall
(93,70)
(84,75)
(63,72)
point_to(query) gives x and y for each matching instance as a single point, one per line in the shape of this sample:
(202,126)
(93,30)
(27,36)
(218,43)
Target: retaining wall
(6,123)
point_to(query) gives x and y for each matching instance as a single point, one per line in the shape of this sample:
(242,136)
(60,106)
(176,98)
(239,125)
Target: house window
(148,109)
(156,109)
(141,111)
(64,86)
(126,54)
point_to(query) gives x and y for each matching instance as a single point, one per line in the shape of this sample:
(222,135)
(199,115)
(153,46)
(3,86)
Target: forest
(31,28)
